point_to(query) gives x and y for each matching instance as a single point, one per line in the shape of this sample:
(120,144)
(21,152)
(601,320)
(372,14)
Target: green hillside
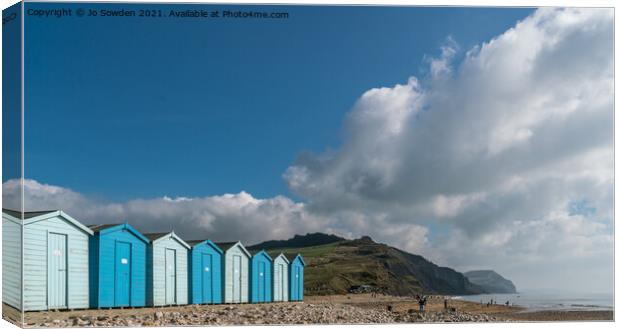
(335,267)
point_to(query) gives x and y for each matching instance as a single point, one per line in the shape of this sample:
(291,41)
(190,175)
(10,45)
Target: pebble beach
(340,309)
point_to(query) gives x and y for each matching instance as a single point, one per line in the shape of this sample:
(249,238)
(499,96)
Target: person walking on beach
(422,302)
(445,303)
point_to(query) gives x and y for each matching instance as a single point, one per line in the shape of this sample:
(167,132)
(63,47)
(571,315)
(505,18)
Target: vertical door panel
(122,273)
(281,281)
(276,283)
(295,289)
(236,279)
(207,282)
(57,271)
(171,274)
(261,286)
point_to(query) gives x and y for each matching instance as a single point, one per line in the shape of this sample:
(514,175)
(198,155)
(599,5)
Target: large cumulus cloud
(494,149)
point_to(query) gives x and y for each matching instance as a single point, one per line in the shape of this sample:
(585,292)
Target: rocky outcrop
(491,282)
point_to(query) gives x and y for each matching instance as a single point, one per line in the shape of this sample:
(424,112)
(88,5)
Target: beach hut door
(295,282)
(171,276)
(277,293)
(207,288)
(236,280)
(122,275)
(280,282)
(261,281)
(57,271)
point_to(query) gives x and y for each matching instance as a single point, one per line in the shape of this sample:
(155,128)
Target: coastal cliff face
(491,282)
(338,266)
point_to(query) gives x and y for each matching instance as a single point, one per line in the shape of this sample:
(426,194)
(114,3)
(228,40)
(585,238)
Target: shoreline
(500,312)
(525,314)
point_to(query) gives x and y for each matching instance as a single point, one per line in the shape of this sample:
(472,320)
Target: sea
(549,301)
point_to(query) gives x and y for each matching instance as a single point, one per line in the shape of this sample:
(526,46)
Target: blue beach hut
(55,261)
(260,282)
(167,267)
(118,266)
(296,278)
(205,266)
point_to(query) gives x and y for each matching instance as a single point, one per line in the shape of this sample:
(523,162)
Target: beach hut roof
(157,236)
(258,252)
(35,216)
(27,214)
(292,257)
(283,257)
(227,245)
(100,227)
(107,228)
(194,243)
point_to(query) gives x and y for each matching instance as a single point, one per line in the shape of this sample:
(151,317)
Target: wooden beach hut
(11,258)
(205,285)
(55,261)
(296,278)
(117,266)
(260,277)
(236,265)
(167,268)
(280,278)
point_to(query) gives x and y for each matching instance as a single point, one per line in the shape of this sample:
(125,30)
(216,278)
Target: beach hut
(167,268)
(260,277)
(205,272)
(117,266)
(55,261)
(296,278)
(236,272)
(11,258)
(280,278)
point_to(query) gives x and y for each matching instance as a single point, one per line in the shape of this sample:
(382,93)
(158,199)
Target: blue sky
(139,107)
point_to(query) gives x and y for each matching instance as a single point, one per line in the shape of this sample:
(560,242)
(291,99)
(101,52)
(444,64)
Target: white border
(476,3)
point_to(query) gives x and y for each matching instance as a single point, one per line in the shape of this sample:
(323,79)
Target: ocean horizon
(549,301)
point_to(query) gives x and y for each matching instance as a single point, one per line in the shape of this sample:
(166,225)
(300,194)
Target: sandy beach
(341,309)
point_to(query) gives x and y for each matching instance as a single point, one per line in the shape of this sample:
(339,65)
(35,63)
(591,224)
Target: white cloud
(494,149)
(225,217)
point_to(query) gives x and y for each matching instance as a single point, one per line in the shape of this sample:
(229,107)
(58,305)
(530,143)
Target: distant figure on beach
(445,303)
(422,302)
